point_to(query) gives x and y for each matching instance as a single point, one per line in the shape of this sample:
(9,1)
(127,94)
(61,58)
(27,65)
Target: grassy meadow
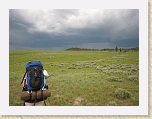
(80,78)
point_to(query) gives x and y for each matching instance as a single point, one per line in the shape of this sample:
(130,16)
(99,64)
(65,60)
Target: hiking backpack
(35,76)
(34,87)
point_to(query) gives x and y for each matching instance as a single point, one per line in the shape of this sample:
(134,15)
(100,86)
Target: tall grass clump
(122,93)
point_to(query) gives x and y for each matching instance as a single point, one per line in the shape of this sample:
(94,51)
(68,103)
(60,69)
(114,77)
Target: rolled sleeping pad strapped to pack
(25,95)
(46,93)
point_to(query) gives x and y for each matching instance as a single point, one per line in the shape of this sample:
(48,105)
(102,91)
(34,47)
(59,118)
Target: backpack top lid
(35,63)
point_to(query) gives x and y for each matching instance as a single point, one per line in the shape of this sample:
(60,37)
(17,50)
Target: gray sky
(59,29)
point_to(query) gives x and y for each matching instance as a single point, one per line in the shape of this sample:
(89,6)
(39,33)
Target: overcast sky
(59,29)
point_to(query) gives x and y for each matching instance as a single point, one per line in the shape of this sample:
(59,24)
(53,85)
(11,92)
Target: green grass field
(86,78)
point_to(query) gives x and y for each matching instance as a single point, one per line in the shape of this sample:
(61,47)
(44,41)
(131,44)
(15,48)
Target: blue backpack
(34,87)
(35,76)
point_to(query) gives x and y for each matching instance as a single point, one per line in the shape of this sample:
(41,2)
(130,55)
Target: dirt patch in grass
(78,101)
(56,95)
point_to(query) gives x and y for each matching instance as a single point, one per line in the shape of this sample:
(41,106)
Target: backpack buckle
(29,92)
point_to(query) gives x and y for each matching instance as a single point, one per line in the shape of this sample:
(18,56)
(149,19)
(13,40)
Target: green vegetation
(112,103)
(87,78)
(122,93)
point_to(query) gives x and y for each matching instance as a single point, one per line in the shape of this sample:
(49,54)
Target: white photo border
(142,5)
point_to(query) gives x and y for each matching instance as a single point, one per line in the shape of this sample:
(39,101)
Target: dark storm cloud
(61,29)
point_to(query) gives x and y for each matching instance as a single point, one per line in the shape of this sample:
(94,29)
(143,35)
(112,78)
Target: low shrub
(113,78)
(133,78)
(122,93)
(71,67)
(112,103)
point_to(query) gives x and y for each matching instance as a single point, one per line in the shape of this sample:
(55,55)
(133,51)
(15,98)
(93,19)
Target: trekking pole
(23,77)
